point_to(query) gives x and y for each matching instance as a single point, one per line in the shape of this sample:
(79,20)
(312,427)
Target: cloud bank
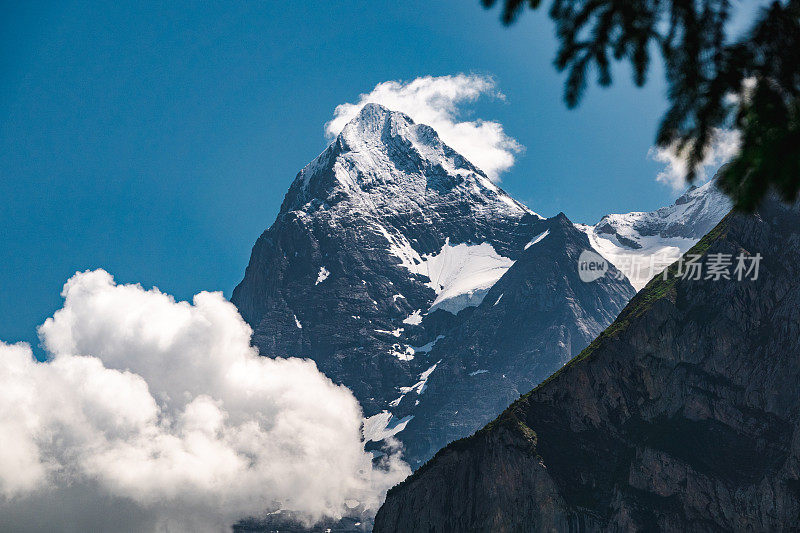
(437,102)
(162,413)
(724,146)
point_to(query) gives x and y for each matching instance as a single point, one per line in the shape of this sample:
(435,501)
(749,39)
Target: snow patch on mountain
(402,352)
(322,275)
(394,333)
(414,319)
(538,238)
(419,386)
(425,348)
(460,275)
(383,425)
(423,380)
(641,264)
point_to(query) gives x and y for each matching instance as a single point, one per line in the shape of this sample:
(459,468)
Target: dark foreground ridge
(684,414)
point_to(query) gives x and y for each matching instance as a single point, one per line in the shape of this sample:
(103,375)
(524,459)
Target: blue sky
(157,141)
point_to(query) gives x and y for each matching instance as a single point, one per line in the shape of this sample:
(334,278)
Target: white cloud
(162,412)
(436,101)
(724,146)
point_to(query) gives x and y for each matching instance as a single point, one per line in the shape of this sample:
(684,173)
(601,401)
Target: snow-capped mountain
(642,244)
(384,248)
(385,224)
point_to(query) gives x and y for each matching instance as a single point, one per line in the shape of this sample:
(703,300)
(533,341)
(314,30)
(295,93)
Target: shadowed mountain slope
(684,414)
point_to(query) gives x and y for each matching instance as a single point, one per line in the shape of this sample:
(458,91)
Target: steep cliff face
(386,247)
(536,318)
(683,415)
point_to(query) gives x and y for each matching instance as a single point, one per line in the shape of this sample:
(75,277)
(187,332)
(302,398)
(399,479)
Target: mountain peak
(383,161)
(374,122)
(371,109)
(376,126)
(373,114)
(562,219)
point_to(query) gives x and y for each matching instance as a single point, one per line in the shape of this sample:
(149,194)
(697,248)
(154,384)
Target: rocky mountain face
(371,234)
(642,244)
(412,279)
(537,317)
(683,415)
